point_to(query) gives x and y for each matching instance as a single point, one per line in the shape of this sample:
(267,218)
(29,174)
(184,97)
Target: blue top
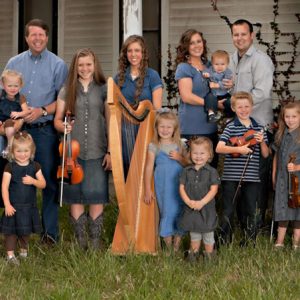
(152,81)
(43,76)
(217,78)
(193,118)
(234,166)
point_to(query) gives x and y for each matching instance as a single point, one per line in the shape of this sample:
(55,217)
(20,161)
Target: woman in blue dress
(137,82)
(191,61)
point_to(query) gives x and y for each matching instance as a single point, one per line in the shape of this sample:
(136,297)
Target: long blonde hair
(166,114)
(281,123)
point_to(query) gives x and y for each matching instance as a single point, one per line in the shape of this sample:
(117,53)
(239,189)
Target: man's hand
(228,83)
(34,114)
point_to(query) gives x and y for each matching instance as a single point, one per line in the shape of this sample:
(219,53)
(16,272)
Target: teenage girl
(20,179)
(84,95)
(166,157)
(287,142)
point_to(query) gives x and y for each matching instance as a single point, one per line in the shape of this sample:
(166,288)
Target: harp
(137,223)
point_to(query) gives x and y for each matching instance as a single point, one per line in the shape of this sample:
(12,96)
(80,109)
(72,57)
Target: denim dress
(166,182)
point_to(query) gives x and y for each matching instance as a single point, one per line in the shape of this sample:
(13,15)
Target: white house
(99,24)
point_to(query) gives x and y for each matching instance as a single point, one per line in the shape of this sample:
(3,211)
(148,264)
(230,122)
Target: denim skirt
(94,187)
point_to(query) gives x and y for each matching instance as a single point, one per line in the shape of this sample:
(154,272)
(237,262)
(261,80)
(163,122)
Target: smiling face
(200,154)
(86,68)
(242,108)
(135,54)
(242,38)
(12,85)
(37,39)
(165,130)
(196,46)
(292,118)
(22,153)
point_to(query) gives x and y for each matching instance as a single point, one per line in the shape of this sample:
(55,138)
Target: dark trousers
(246,203)
(211,103)
(46,141)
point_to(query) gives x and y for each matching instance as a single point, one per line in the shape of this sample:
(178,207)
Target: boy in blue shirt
(242,171)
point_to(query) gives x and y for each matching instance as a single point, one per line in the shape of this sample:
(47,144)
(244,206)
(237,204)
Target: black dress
(7,106)
(26,219)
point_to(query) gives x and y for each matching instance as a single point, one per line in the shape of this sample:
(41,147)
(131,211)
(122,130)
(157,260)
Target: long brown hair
(124,63)
(281,124)
(184,45)
(72,80)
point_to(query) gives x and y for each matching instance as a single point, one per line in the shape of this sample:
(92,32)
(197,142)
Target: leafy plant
(170,82)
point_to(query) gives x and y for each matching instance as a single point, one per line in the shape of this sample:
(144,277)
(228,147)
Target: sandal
(279,246)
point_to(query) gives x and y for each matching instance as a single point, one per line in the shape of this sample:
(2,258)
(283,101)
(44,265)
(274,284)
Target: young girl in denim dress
(166,157)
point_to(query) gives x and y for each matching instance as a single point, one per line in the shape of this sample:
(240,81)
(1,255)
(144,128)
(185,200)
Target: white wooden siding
(6,32)
(199,14)
(88,24)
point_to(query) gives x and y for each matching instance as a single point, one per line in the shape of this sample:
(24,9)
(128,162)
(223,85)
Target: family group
(38,89)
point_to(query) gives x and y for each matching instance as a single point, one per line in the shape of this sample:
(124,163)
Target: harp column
(132,16)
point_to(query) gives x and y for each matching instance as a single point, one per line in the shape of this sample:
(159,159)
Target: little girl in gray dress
(287,142)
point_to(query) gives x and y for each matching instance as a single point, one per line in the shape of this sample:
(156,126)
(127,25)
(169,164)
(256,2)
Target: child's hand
(205,74)
(259,137)
(244,150)
(148,197)
(198,205)
(214,85)
(28,180)
(69,126)
(15,114)
(9,210)
(175,155)
(292,167)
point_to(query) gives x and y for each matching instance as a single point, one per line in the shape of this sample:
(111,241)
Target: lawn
(66,272)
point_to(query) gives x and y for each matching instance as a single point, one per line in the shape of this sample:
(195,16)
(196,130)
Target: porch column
(132,16)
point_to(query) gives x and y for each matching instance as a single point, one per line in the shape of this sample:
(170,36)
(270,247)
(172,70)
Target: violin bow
(63,163)
(242,177)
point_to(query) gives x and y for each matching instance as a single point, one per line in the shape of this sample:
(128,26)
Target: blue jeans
(46,141)
(211,103)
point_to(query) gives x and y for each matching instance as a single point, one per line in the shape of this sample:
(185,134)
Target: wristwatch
(44,111)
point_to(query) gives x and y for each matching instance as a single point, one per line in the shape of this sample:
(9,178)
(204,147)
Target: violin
(69,149)
(247,138)
(294,197)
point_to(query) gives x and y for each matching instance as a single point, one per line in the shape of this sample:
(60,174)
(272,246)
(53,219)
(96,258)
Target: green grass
(65,272)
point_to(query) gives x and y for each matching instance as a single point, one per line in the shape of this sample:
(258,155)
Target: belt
(37,125)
